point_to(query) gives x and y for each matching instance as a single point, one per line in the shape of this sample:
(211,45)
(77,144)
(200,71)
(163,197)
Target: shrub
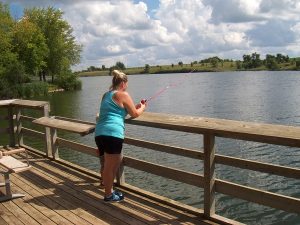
(68,81)
(298,64)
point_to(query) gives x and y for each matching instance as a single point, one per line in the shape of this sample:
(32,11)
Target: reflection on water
(269,97)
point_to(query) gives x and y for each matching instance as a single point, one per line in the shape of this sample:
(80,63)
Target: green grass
(199,67)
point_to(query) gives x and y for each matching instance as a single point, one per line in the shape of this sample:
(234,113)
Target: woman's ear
(123,85)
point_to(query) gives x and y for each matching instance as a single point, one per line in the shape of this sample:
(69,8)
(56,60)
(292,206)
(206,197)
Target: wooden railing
(210,129)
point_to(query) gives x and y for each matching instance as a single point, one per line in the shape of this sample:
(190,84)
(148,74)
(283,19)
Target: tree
(271,62)
(11,70)
(298,64)
(120,65)
(180,63)
(238,65)
(6,26)
(255,60)
(92,68)
(251,61)
(214,62)
(209,60)
(30,45)
(63,49)
(103,67)
(147,68)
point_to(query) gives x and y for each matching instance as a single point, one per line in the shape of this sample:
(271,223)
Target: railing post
(19,127)
(48,138)
(12,141)
(209,175)
(120,174)
(54,145)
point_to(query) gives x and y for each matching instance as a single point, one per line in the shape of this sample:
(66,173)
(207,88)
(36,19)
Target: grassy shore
(203,67)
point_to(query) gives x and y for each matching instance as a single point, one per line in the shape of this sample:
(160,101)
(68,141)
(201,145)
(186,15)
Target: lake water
(268,97)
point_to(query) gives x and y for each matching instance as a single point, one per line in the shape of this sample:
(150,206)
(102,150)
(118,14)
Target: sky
(157,32)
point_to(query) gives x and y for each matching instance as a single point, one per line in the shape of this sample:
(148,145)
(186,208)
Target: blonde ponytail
(118,78)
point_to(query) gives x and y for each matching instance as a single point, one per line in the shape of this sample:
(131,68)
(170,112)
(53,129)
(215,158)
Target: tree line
(249,62)
(38,46)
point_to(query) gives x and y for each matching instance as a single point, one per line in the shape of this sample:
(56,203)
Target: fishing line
(172,85)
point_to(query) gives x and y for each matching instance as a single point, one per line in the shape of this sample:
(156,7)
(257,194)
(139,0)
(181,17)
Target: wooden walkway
(57,194)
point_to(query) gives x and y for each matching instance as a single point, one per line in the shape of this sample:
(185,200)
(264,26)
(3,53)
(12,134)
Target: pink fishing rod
(161,91)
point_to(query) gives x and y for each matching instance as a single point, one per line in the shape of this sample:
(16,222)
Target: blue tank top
(111,117)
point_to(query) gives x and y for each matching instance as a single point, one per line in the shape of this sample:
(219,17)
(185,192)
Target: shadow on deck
(57,194)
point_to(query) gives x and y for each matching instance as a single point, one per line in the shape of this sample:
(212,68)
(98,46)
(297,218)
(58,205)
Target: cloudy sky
(139,32)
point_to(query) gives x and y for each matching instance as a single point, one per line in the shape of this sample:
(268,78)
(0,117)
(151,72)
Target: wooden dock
(58,194)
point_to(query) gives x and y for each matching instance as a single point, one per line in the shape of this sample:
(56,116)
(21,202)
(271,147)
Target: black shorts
(109,144)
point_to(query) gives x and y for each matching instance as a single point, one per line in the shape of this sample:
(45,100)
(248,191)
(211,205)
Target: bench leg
(8,195)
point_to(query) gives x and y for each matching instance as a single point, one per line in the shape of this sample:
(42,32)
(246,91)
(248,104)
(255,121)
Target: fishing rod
(161,91)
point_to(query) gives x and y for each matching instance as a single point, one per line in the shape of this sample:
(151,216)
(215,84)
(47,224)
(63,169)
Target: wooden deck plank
(167,216)
(46,215)
(162,210)
(19,213)
(61,215)
(55,192)
(9,217)
(2,221)
(32,207)
(74,202)
(74,205)
(116,210)
(75,173)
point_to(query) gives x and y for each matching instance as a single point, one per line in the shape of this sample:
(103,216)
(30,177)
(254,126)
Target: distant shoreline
(197,67)
(185,70)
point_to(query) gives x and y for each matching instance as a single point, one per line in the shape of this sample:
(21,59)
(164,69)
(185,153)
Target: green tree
(7,57)
(30,45)
(63,49)
(251,61)
(92,68)
(147,68)
(180,63)
(271,62)
(11,70)
(281,58)
(238,65)
(103,67)
(298,64)
(214,62)
(255,60)
(120,66)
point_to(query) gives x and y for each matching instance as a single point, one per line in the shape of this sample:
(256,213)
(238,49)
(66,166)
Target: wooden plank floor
(56,194)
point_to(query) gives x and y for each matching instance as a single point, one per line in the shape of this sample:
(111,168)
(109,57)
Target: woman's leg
(101,170)
(111,165)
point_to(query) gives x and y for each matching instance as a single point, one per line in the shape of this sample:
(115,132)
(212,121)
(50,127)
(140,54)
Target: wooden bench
(75,127)
(11,165)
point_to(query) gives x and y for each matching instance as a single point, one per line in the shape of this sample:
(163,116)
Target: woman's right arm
(132,110)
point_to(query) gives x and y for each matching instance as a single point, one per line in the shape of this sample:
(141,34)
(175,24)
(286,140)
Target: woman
(109,132)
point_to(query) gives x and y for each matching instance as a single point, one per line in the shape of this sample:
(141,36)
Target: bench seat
(76,127)
(8,166)
(14,165)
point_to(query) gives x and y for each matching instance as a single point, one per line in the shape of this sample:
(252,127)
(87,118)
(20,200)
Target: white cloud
(179,30)
(273,33)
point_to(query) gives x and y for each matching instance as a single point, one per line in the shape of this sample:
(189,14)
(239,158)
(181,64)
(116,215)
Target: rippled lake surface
(267,97)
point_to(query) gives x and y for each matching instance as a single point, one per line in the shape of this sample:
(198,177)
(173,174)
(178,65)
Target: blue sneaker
(113,198)
(119,193)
